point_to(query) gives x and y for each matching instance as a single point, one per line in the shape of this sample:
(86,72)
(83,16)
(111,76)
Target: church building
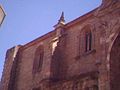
(83,54)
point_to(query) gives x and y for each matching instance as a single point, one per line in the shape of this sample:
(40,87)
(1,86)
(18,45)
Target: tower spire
(62,20)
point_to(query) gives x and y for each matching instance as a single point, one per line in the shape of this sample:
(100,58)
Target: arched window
(38,59)
(88,41)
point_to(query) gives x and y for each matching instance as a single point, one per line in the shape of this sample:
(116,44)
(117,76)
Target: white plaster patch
(54,44)
(15,51)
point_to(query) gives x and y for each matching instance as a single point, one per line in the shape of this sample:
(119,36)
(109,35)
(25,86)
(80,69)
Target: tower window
(88,41)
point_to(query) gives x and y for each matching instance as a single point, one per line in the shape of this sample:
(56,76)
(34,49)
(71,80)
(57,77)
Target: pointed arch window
(38,59)
(88,41)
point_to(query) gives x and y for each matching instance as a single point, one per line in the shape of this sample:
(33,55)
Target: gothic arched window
(88,41)
(38,59)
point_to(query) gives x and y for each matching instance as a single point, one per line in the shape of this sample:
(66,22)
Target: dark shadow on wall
(58,62)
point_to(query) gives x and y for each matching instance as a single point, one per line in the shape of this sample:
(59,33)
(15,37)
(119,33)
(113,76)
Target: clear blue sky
(28,19)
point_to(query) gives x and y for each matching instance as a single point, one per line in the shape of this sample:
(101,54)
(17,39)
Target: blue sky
(28,19)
